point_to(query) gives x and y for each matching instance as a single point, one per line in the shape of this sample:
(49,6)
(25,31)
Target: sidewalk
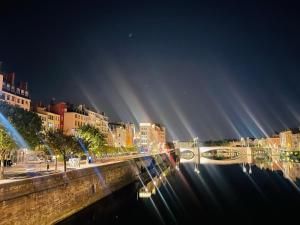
(29,170)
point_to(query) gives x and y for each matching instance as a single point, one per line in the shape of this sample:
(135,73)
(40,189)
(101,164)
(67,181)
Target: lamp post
(244,168)
(198,155)
(56,157)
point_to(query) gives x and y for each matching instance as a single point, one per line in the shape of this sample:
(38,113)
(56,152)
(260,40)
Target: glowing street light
(198,158)
(244,168)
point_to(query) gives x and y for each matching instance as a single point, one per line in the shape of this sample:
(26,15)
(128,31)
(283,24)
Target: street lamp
(250,170)
(56,157)
(198,155)
(244,168)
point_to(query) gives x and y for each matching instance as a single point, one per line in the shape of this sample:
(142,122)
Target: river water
(260,191)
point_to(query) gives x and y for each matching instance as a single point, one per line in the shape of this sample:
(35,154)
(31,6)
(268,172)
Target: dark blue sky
(214,69)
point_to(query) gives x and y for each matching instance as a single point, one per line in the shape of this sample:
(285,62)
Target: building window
(8,97)
(22,101)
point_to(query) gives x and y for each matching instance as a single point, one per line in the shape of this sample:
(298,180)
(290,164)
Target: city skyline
(206,70)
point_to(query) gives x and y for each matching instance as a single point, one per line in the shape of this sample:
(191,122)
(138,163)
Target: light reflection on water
(262,188)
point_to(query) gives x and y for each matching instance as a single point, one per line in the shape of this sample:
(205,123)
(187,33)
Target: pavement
(34,169)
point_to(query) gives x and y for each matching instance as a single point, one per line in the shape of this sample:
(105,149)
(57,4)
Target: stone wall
(48,199)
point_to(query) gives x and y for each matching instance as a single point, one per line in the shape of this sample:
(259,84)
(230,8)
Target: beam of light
(151,200)
(89,97)
(13,132)
(164,201)
(127,94)
(96,169)
(251,116)
(172,190)
(237,101)
(229,120)
(80,141)
(288,177)
(46,145)
(160,194)
(209,192)
(164,117)
(157,211)
(221,184)
(294,113)
(253,181)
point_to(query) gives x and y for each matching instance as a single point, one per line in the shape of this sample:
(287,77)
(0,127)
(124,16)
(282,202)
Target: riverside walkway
(34,169)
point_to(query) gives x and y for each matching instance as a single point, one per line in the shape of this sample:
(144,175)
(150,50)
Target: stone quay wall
(49,199)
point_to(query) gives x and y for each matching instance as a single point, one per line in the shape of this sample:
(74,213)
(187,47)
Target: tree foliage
(28,124)
(114,150)
(223,142)
(6,145)
(92,138)
(62,144)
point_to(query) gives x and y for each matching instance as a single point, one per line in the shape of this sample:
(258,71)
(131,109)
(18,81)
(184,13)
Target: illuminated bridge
(221,155)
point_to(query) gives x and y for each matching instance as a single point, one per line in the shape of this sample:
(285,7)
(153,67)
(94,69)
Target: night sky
(220,69)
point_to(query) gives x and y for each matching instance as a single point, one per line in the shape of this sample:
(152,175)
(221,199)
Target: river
(264,191)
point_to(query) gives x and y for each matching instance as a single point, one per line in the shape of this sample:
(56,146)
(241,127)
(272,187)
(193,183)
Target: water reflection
(286,162)
(149,188)
(226,154)
(231,188)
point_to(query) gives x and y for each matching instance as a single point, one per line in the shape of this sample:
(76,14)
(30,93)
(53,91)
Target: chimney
(25,86)
(52,101)
(11,79)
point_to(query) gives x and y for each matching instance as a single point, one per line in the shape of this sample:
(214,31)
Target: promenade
(34,169)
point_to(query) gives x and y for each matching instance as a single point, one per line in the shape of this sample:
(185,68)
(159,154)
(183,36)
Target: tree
(92,138)
(6,145)
(28,124)
(62,144)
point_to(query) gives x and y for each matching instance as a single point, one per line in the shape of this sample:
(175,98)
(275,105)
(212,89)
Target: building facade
(130,134)
(273,142)
(74,116)
(290,139)
(49,120)
(97,119)
(152,136)
(117,134)
(59,108)
(121,134)
(14,93)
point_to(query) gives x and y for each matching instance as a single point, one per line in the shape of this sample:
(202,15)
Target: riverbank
(48,199)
